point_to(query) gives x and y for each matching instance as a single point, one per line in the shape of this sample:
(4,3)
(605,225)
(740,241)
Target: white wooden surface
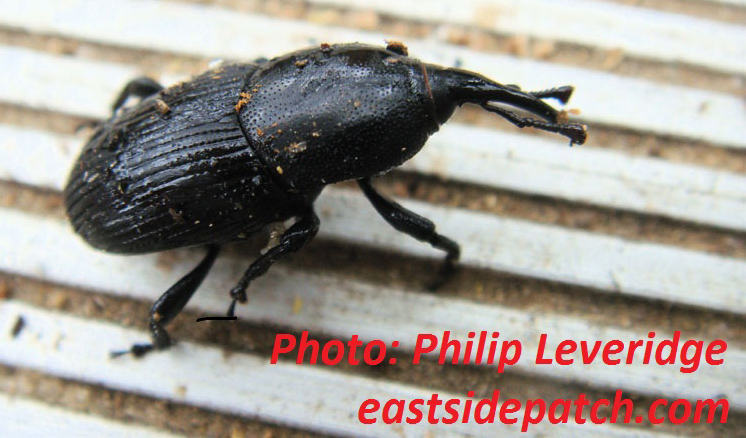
(211,32)
(733,2)
(637,31)
(31,419)
(45,248)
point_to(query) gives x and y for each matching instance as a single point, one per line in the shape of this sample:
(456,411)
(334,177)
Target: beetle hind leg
(170,304)
(412,224)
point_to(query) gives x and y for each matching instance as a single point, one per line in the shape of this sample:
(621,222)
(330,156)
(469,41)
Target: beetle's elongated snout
(454,87)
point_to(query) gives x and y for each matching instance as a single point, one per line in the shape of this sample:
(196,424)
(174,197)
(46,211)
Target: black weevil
(212,160)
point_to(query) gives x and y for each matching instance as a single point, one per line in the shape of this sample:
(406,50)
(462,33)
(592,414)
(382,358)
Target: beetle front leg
(170,304)
(141,87)
(293,239)
(412,224)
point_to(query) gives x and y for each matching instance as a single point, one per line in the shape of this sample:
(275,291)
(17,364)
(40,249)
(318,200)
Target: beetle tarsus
(172,302)
(412,224)
(141,87)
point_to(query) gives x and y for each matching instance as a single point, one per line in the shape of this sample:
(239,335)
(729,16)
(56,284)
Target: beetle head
(452,87)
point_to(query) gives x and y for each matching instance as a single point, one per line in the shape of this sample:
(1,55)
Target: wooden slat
(62,84)
(611,264)
(590,175)
(480,156)
(210,31)
(37,158)
(607,263)
(19,418)
(240,384)
(44,249)
(740,3)
(658,35)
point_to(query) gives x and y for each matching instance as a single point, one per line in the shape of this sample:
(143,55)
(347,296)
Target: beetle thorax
(318,118)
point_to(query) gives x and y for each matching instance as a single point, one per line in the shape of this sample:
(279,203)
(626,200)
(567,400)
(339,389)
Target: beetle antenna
(560,93)
(575,132)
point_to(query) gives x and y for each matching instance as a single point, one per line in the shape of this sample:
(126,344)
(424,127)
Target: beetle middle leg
(293,239)
(171,303)
(412,224)
(141,87)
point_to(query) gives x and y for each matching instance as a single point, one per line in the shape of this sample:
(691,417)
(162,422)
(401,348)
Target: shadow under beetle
(212,160)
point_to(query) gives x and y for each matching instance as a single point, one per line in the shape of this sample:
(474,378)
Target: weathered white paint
(32,419)
(211,31)
(658,35)
(731,2)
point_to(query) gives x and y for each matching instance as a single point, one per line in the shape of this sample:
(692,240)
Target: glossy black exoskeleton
(212,160)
